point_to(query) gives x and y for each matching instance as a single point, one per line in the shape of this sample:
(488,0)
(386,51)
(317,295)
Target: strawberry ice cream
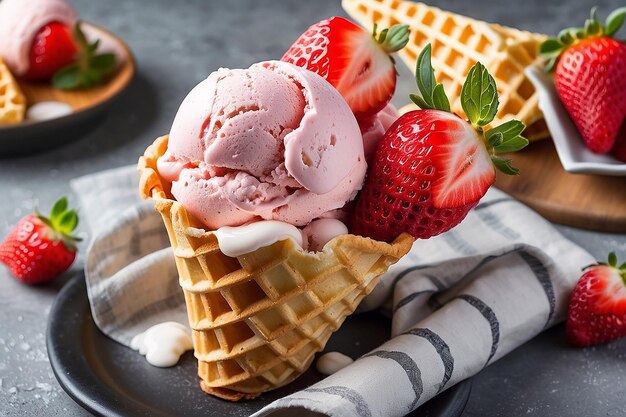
(21,20)
(274,142)
(374,128)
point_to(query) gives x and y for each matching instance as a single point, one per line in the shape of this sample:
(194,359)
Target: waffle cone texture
(258,319)
(458,42)
(12,101)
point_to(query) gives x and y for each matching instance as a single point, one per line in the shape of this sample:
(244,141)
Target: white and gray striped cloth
(460,301)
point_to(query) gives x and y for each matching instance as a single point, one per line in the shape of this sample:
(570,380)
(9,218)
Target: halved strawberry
(432,167)
(357,63)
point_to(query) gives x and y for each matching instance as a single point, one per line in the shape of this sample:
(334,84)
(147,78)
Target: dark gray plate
(109,379)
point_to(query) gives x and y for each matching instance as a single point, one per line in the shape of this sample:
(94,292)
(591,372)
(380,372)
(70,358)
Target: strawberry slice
(460,157)
(357,63)
(597,309)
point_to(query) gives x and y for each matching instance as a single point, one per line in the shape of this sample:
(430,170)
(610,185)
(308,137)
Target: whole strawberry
(619,149)
(67,58)
(432,167)
(40,248)
(52,49)
(597,308)
(590,77)
(357,63)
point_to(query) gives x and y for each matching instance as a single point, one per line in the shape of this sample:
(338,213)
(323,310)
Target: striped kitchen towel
(459,301)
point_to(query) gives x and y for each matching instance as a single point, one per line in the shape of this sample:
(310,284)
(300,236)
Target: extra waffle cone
(457,43)
(12,101)
(259,319)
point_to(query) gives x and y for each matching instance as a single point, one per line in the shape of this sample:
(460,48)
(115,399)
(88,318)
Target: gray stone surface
(176,44)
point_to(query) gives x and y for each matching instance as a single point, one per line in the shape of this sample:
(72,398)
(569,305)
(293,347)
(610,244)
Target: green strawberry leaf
(495,139)
(440,100)
(513,144)
(68,222)
(551,63)
(419,101)
(567,36)
(551,48)
(67,78)
(509,129)
(614,21)
(425,76)
(392,39)
(512,140)
(59,207)
(504,165)
(433,95)
(612,259)
(479,96)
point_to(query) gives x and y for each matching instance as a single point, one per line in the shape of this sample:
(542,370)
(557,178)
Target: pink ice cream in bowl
(271,142)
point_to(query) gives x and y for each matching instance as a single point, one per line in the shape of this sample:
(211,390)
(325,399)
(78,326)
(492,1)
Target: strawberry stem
(551,49)
(62,222)
(479,99)
(392,39)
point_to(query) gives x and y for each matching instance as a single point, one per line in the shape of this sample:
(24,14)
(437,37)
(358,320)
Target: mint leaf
(79,36)
(504,165)
(67,78)
(614,21)
(479,96)
(103,62)
(59,207)
(433,95)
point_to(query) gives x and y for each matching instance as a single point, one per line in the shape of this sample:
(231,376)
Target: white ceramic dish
(574,155)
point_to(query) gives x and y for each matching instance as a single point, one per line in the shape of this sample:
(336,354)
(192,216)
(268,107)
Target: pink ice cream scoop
(374,129)
(274,141)
(21,20)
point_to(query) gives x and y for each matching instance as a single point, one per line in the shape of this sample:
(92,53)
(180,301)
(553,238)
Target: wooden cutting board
(594,202)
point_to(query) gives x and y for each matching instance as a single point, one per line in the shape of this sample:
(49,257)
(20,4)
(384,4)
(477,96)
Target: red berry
(52,49)
(590,77)
(591,81)
(429,170)
(597,309)
(357,64)
(619,149)
(38,248)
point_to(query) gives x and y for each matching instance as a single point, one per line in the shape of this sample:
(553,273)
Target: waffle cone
(457,43)
(259,319)
(12,101)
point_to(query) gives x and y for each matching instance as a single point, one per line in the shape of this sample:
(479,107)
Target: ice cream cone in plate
(457,43)
(12,101)
(259,318)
